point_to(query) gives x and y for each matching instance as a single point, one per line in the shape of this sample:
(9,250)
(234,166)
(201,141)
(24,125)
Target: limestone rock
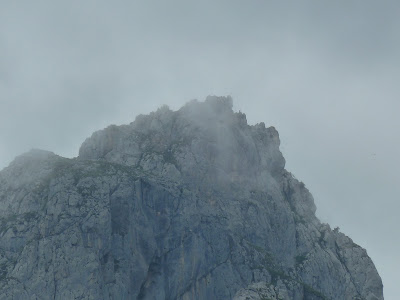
(187,204)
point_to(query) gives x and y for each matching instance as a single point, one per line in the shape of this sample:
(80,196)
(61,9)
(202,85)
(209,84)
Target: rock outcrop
(187,204)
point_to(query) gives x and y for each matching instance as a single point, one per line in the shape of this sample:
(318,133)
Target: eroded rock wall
(187,204)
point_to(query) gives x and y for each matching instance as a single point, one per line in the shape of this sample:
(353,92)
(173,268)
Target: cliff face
(187,204)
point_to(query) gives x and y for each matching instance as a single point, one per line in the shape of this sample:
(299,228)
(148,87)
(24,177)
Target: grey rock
(187,204)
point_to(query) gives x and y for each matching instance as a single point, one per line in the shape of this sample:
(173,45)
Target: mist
(324,74)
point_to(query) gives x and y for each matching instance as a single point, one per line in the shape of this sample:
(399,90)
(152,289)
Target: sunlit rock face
(187,204)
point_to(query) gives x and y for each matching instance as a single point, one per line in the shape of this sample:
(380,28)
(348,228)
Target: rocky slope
(187,204)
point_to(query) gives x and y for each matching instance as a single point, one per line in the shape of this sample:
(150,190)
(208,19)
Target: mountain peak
(186,204)
(200,138)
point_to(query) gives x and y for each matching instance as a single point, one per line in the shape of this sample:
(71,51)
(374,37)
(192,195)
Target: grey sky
(324,73)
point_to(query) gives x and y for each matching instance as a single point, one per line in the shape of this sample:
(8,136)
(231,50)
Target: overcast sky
(326,74)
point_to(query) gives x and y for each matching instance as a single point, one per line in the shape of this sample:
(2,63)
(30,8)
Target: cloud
(324,73)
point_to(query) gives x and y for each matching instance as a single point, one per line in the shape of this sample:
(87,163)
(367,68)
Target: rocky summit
(187,204)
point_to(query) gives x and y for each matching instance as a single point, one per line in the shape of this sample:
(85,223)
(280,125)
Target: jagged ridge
(187,204)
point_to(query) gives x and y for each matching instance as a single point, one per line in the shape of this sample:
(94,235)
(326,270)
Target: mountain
(187,204)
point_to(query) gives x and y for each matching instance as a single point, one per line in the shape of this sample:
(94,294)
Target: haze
(324,73)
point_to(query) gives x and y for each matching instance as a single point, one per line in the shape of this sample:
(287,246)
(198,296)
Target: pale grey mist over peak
(324,73)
